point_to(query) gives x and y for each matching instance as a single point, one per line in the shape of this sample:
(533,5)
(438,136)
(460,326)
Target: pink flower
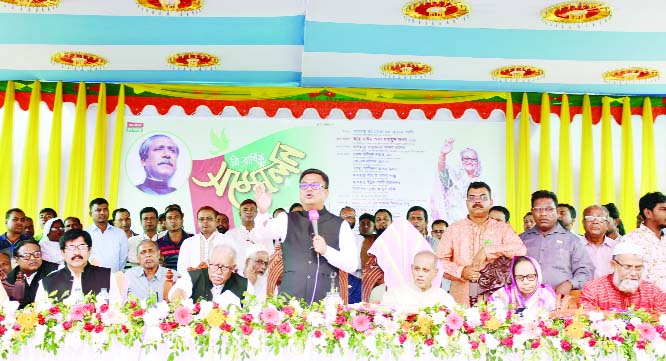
(454,321)
(67,325)
(270,316)
(338,333)
(402,338)
(317,333)
(288,310)
(199,329)
(532,330)
(182,315)
(429,341)
(284,328)
(99,328)
(247,329)
(76,312)
(640,344)
(566,346)
(536,344)
(647,331)
(515,328)
(360,322)
(54,310)
(247,318)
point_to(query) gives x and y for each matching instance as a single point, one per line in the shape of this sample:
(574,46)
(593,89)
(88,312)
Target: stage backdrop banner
(372,164)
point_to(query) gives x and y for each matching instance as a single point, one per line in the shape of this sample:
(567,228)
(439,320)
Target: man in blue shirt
(15,221)
(109,243)
(147,278)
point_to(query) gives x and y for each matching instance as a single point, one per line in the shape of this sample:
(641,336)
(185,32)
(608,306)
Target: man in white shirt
(420,292)
(195,250)
(148,216)
(110,243)
(307,275)
(244,236)
(218,283)
(255,269)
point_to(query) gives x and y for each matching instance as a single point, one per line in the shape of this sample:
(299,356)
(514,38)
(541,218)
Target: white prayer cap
(253,249)
(628,248)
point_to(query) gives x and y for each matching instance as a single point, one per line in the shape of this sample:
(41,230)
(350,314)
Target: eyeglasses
(261,262)
(27,256)
(314,186)
(53,229)
(629,268)
(218,267)
(473,198)
(543,209)
(521,278)
(468,159)
(592,219)
(72,248)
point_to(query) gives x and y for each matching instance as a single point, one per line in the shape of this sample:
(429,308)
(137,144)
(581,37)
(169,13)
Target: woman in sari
(526,289)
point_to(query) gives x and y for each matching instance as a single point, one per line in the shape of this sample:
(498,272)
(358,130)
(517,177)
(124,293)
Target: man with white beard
(256,269)
(624,287)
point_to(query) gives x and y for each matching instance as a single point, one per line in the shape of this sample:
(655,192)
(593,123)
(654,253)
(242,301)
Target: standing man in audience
(245,235)
(72,223)
(78,278)
(15,222)
(471,243)
(170,243)
(650,236)
(563,259)
(303,250)
(148,216)
(222,223)
(147,278)
(418,217)
(29,261)
(122,219)
(383,219)
(195,251)
(598,246)
(438,228)
(499,213)
(29,229)
(615,225)
(44,215)
(349,214)
(110,243)
(566,214)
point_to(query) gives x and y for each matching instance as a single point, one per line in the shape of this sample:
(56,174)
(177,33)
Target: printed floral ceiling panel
(606,47)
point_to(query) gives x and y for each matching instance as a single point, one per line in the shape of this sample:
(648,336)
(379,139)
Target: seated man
(28,256)
(78,278)
(256,267)
(420,292)
(218,282)
(148,277)
(624,287)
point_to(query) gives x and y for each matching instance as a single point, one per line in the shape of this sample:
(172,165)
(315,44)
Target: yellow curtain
(524,174)
(29,184)
(51,185)
(565,193)
(545,173)
(607,194)
(648,163)
(6,146)
(117,149)
(587,191)
(98,168)
(628,205)
(77,160)
(511,167)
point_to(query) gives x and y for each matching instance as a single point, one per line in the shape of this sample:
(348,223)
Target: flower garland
(367,331)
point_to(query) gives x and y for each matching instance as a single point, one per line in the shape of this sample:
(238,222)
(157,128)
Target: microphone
(313,215)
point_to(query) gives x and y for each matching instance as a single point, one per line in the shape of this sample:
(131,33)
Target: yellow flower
(27,320)
(215,317)
(575,329)
(424,325)
(609,346)
(406,326)
(493,324)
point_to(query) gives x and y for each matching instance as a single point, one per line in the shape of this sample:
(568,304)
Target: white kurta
(409,296)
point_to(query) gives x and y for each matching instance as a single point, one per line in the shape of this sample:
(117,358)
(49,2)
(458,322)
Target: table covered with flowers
(290,330)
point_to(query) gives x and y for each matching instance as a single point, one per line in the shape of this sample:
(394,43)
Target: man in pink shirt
(469,244)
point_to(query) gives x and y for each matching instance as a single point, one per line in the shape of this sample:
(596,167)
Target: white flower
(519,341)
(371,343)
(463,342)
(662,319)
(635,321)
(151,317)
(659,345)
(111,317)
(143,303)
(321,341)
(254,340)
(205,308)
(491,342)
(255,310)
(315,319)
(163,310)
(38,336)
(99,339)
(472,316)
(595,316)
(380,320)
(153,334)
(9,308)
(391,327)
(187,302)
(442,339)
(185,335)
(438,318)
(297,307)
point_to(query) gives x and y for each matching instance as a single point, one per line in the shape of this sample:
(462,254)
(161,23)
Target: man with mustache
(147,278)
(471,243)
(256,267)
(28,256)
(78,278)
(159,155)
(625,287)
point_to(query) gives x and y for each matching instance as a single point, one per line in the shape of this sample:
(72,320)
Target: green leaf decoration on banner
(219,141)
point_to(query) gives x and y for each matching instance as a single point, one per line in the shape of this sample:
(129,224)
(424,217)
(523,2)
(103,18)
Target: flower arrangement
(366,331)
